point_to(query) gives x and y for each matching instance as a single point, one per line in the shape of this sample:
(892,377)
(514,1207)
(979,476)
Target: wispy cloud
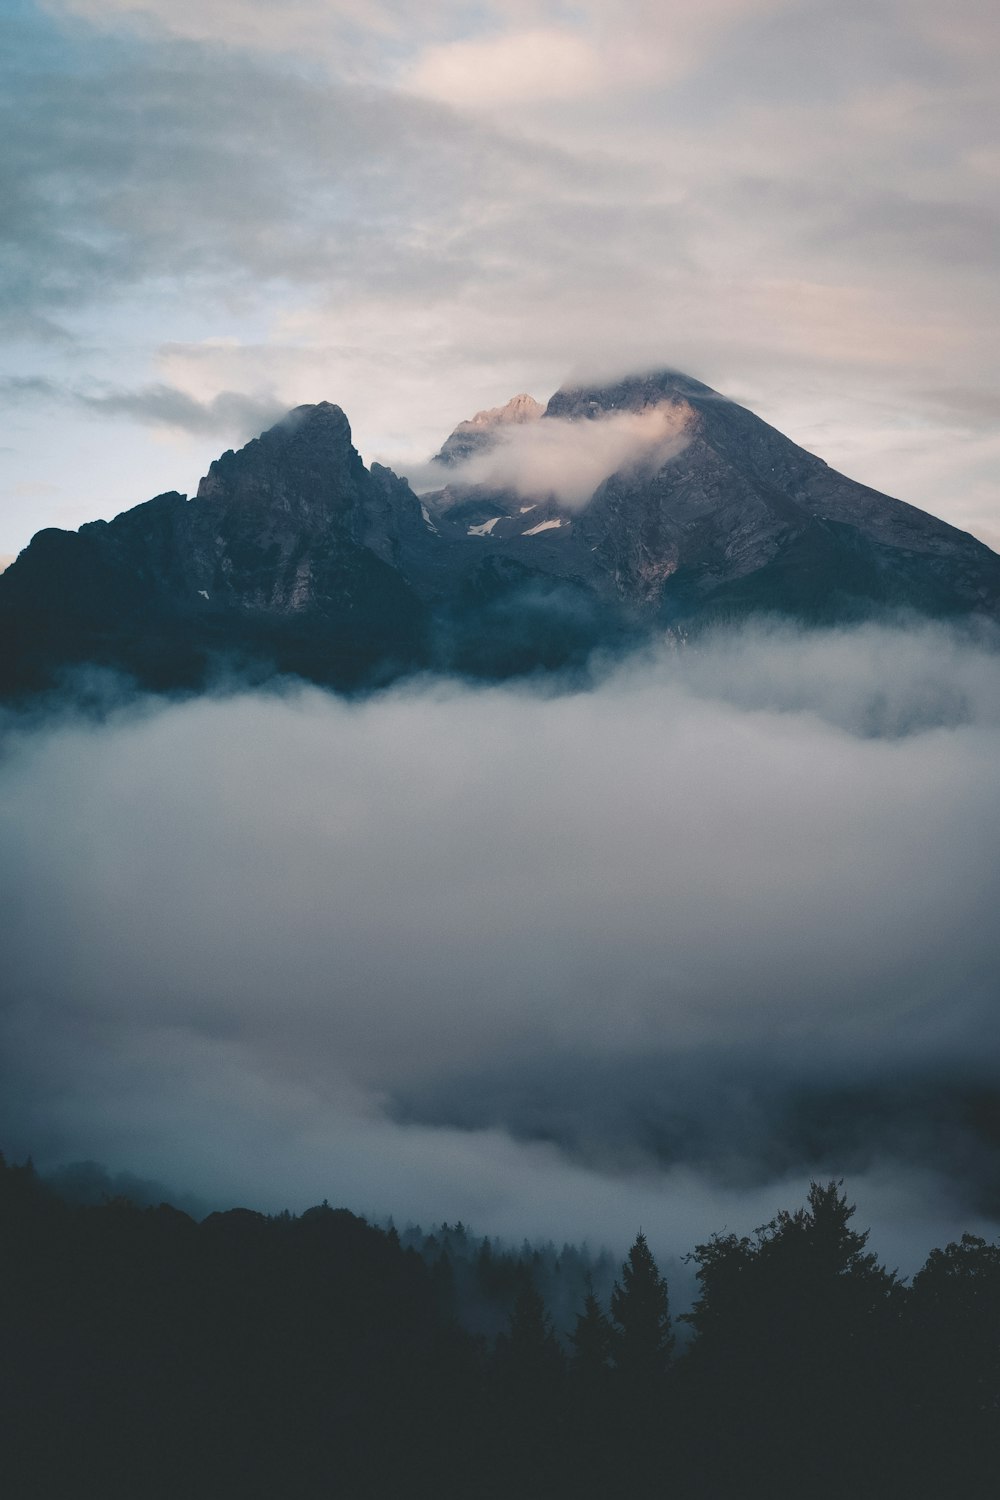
(563,459)
(157,405)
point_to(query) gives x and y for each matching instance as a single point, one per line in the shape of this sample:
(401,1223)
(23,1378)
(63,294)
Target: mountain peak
(298,557)
(631,393)
(520,408)
(310,447)
(479,432)
(322,422)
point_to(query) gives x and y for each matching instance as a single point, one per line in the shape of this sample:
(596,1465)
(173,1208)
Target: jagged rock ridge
(478,432)
(295,557)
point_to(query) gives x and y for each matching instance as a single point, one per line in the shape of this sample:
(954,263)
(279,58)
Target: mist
(565,459)
(553,961)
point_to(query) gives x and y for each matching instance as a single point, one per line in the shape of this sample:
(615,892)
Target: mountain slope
(619,510)
(739,518)
(283,562)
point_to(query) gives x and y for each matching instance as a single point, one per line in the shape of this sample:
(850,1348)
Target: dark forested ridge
(145,1354)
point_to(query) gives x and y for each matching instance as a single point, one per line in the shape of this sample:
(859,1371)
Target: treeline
(146,1355)
(481,1277)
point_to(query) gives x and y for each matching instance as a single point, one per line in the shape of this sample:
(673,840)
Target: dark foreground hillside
(146,1355)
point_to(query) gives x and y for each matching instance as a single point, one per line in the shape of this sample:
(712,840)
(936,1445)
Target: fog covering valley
(558,960)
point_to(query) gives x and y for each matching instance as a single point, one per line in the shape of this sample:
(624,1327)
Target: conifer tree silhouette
(640,1306)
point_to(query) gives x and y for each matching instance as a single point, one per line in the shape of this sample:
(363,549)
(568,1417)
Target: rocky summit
(615,513)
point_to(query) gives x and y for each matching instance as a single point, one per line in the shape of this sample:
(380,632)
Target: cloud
(559,49)
(183,165)
(302,25)
(549,962)
(971,405)
(603,48)
(159,405)
(567,459)
(509,69)
(794,203)
(165,406)
(556,964)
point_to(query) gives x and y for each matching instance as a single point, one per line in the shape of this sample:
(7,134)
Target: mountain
(283,562)
(735,518)
(622,510)
(481,431)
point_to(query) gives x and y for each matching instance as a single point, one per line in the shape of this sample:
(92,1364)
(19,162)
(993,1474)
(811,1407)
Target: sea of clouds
(555,961)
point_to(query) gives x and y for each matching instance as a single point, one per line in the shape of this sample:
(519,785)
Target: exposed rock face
(284,561)
(480,431)
(294,557)
(739,519)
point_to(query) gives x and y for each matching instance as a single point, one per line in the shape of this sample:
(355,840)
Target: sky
(215,211)
(556,962)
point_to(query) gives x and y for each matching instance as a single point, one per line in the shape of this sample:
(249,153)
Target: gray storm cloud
(550,962)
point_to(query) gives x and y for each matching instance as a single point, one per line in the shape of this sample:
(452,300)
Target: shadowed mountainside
(294,557)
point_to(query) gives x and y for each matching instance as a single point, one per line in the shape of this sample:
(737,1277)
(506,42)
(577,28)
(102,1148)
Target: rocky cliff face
(480,431)
(735,518)
(295,557)
(283,562)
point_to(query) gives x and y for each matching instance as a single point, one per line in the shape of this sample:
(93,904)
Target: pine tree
(534,1351)
(640,1307)
(592,1465)
(794,1340)
(593,1341)
(528,1389)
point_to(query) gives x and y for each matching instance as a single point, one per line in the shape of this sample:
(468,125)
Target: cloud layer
(552,963)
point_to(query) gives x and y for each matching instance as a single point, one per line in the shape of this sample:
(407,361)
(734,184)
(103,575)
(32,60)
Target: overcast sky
(216,210)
